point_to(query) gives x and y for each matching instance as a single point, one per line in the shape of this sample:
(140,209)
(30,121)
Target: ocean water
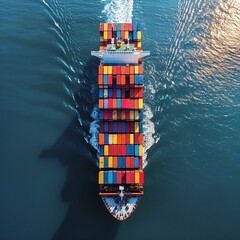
(48,171)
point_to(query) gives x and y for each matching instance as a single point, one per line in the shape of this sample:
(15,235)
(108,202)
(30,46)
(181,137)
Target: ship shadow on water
(86,216)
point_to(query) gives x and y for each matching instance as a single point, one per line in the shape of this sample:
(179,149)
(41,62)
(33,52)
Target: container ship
(120,84)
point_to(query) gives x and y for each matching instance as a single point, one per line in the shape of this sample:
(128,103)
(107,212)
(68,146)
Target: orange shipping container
(100,103)
(131,79)
(123,80)
(100,79)
(127,70)
(101,138)
(100,69)
(119,139)
(132,70)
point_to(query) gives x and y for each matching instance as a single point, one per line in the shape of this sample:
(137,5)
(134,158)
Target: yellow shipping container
(106,150)
(136,69)
(110,162)
(105,35)
(140,150)
(105,69)
(139,35)
(114,139)
(131,114)
(105,26)
(131,138)
(137,179)
(101,162)
(136,125)
(140,103)
(139,44)
(110,70)
(100,177)
(136,115)
(114,116)
(126,35)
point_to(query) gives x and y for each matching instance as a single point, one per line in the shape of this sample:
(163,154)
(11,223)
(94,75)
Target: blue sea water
(48,172)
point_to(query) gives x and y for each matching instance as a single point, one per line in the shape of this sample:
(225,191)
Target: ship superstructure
(120,81)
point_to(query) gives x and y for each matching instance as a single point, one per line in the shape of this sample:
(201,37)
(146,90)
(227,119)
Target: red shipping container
(114,150)
(132,176)
(110,150)
(123,93)
(132,162)
(131,128)
(101,126)
(118,79)
(118,70)
(109,26)
(127,138)
(127,70)
(128,177)
(132,103)
(110,103)
(123,35)
(123,176)
(140,138)
(140,163)
(114,93)
(122,26)
(105,114)
(119,177)
(123,103)
(128,105)
(110,115)
(141,176)
(101,27)
(127,116)
(100,69)
(123,150)
(110,35)
(110,127)
(130,27)
(114,70)
(128,163)
(119,115)
(119,126)
(114,27)
(110,79)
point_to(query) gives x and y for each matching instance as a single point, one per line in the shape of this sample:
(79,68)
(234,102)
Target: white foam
(118,11)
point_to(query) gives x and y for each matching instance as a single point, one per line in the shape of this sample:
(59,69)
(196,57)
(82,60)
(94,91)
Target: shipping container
(100,177)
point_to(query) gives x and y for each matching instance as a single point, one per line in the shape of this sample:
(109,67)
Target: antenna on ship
(128,45)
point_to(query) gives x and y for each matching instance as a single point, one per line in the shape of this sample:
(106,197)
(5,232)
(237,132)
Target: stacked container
(121,112)
(121,31)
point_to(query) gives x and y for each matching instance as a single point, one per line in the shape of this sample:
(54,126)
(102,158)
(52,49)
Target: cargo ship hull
(120,82)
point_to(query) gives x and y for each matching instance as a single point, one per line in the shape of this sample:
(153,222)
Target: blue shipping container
(105,177)
(100,93)
(136,79)
(105,162)
(110,177)
(136,160)
(136,150)
(118,93)
(140,79)
(123,127)
(105,79)
(105,104)
(101,114)
(110,93)
(114,127)
(105,138)
(105,126)
(114,177)
(119,103)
